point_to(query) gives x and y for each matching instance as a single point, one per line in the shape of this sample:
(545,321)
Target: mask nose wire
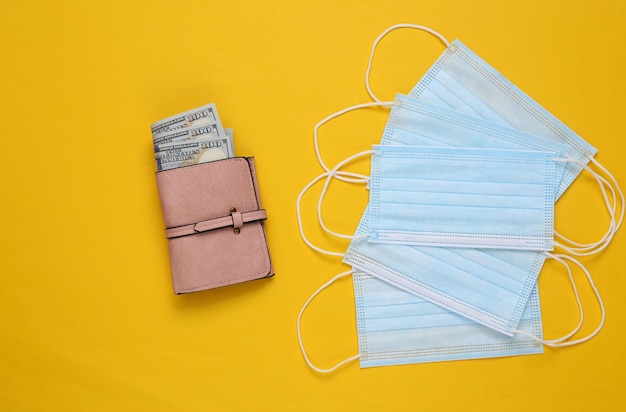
(298,327)
(382,35)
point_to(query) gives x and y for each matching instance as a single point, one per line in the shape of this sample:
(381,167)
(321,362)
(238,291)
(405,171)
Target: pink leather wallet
(214,224)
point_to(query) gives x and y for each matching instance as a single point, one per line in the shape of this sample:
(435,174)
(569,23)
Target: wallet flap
(206,191)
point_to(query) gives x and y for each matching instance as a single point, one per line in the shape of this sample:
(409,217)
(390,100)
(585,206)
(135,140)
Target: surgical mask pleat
(511,264)
(454,287)
(435,183)
(403,320)
(514,211)
(421,332)
(483,83)
(458,279)
(461,100)
(510,280)
(414,122)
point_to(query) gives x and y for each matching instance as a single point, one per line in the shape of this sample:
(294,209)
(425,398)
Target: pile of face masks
(460,218)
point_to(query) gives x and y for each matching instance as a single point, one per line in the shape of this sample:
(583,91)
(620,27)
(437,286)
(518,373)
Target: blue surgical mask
(488,286)
(463,82)
(417,123)
(395,327)
(452,197)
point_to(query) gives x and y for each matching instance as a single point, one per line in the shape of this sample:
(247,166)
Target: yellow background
(89,320)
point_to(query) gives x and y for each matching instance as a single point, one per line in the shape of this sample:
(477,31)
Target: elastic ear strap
(332,174)
(299,216)
(560,341)
(579,249)
(306,357)
(344,176)
(620,220)
(381,36)
(328,175)
(576,295)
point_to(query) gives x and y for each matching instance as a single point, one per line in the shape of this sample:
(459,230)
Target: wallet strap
(235,220)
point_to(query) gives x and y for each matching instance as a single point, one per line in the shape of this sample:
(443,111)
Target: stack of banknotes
(192,137)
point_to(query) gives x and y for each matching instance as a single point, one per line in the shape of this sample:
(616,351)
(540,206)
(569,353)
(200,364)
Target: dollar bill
(203,115)
(190,133)
(199,132)
(172,155)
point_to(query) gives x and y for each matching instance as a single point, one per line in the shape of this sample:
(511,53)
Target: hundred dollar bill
(193,133)
(195,117)
(169,149)
(189,133)
(173,155)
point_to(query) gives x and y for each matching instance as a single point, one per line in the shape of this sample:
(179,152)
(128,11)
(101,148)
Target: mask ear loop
(616,225)
(617,188)
(320,201)
(299,216)
(298,321)
(381,36)
(344,176)
(559,342)
(355,177)
(578,249)
(328,175)
(576,295)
